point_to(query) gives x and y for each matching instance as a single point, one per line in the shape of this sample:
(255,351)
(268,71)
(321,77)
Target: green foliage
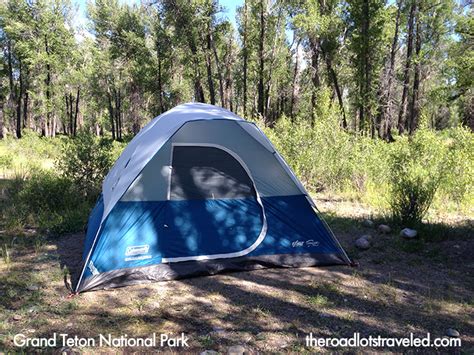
(6,161)
(50,202)
(426,163)
(323,156)
(403,178)
(85,160)
(415,177)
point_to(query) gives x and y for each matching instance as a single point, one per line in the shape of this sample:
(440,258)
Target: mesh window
(207,173)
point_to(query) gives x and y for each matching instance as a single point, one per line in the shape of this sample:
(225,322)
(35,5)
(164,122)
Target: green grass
(319,301)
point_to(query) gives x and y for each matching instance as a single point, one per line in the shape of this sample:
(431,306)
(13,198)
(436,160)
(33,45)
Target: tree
(366,20)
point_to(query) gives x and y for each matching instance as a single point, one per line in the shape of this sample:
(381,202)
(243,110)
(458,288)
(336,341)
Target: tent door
(214,208)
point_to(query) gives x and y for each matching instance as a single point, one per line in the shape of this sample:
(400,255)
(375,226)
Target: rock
(33,309)
(408,233)
(237,350)
(209,352)
(384,229)
(32,288)
(16,317)
(69,351)
(362,243)
(368,223)
(453,333)
(368,237)
(457,246)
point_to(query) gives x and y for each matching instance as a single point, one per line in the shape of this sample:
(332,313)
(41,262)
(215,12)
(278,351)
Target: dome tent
(198,191)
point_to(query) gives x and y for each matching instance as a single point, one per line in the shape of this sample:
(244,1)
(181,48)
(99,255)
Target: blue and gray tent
(199,191)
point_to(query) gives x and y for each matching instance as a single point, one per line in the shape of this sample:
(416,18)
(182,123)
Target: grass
(319,301)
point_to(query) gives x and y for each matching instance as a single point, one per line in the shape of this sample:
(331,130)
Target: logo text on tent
(137,250)
(305,243)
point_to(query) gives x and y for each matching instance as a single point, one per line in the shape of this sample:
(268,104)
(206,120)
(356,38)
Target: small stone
(209,352)
(368,223)
(362,243)
(33,309)
(384,229)
(32,288)
(16,317)
(408,233)
(218,329)
(453,333)
(237,350)
(69,351)
(368,237)
(457,246)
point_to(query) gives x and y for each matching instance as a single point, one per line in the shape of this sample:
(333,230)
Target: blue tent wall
(169,229)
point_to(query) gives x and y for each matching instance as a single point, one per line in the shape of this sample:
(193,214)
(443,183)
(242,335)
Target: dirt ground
(400,287)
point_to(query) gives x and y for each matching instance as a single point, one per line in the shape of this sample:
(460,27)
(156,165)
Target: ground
(400,287)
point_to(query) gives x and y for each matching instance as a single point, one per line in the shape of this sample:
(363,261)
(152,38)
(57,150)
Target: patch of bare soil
(400,287)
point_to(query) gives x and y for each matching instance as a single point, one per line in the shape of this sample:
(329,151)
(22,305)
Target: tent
(199,191)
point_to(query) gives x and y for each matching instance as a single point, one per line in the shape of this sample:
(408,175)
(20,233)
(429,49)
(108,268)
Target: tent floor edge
(190,269)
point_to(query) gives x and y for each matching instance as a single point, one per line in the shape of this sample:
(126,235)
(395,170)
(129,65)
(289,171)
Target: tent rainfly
(199,191)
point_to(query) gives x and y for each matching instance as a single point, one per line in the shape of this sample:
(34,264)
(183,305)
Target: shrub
(6,161)
(459,183)
(85,160)
(322,155)
(50,202)
(419,165)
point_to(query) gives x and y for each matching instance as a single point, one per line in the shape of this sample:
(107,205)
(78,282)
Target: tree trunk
(385,129)
(333,77)
(76,111)
(1,112)
(160,83)
(245,59)
(67,121)
(367,103)
(219,74)
(111,115)
(228,76)
(118,112)
(198,90)
(315,49)
(406,72)
(210,80)
(295,89)
(261,67)
(48,92)
(415,104)
(19,102)
(26,122)
(271,62)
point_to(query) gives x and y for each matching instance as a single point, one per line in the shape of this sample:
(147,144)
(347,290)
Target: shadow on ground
(401,287)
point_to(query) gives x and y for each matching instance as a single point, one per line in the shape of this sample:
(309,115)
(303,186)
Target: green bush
(322,155)
(85,160)
(6,161)
(47,201)
(403,178)
(419,166)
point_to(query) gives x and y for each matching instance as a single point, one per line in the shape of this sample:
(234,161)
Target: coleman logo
(137,250)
